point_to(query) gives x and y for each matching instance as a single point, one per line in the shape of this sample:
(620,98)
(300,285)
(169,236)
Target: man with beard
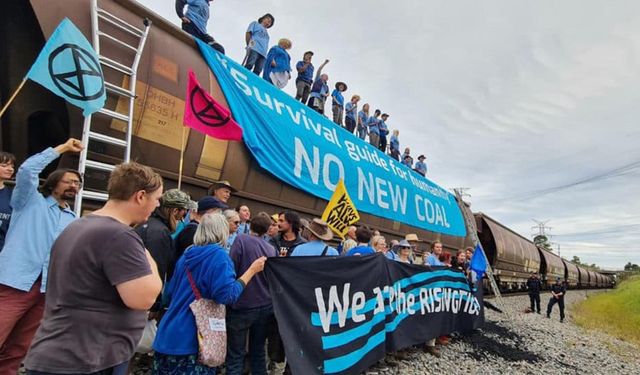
(289,233)
(38,218)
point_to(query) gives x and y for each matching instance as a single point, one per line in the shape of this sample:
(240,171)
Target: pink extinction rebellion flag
(204,114)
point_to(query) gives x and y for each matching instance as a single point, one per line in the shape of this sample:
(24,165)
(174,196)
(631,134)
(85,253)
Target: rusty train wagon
(38,119)
(551,267)
(572,275)
(511,256)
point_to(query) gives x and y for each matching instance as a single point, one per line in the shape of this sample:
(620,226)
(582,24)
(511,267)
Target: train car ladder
(99,17)
(476,242)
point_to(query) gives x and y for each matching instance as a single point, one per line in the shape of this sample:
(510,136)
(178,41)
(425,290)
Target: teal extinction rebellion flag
(342,314)
(69,67)
(308,151)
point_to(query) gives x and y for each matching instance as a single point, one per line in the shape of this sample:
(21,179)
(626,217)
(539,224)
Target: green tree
(543,242)
(631,267)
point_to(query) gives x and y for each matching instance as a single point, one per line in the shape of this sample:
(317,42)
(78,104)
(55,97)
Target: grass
(616,312)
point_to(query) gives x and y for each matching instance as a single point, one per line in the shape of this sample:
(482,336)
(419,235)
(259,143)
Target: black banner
(339,315)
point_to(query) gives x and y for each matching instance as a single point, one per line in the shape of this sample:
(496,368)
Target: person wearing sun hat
(221,190)
(421,166)
(316,233)
(337,102)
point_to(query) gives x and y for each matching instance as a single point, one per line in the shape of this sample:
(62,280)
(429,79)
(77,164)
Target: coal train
(38,119)
(513,258)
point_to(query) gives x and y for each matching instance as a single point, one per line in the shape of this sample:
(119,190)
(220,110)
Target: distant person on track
(194,21)
(257,39)
(534,285)
(558,291)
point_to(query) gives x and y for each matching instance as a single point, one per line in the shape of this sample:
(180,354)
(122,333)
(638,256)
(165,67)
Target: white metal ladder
(99,17)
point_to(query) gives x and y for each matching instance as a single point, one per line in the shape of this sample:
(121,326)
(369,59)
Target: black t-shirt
(185,238)
(86,326)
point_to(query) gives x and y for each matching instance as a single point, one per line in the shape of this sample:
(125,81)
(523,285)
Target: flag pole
(13,96)
(182,146)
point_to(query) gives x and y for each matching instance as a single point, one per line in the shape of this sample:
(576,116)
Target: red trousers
(20,316)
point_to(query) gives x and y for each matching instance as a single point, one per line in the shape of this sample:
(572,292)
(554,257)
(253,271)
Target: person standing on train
(257,39)
(558,291)
(534,285)
(194,21)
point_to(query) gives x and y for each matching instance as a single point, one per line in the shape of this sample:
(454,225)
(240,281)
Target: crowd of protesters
(136,260)
(274,63)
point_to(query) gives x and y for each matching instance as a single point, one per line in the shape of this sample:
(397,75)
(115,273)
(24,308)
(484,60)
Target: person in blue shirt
(194,21)
(316,233)
(384,131)
(363,237)
(305,77)
(363,118)
(433,259)
(337,102)
(421,166)
(37,219)
(379,244)
(257,39)
(394,145)
(277,69)
(351,111)
(319,90)
(373,124)
(7,167)
(214,277)
(406,158)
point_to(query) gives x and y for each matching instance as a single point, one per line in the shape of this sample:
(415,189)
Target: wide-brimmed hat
(174,198)
(421,157)
(338,84)
(218,184)
(412,237)
(208,202)
(320,229)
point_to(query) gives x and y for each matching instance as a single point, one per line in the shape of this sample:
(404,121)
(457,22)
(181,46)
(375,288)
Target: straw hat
(320,229)
(412,237)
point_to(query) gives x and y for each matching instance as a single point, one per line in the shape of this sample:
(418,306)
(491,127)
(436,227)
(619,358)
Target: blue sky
(532,105)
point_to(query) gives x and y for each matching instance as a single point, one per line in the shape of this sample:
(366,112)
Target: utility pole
(541,227)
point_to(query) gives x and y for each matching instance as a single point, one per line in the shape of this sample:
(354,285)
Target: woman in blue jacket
(277,67)
(176,342)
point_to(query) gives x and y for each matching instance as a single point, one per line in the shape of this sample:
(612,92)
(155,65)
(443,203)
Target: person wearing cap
(404,252)
(534,285)
(351,112)
(277,70)
(558,290)
(421,166)
(384,131)
(257,39)
(273,229)
(373,125)
(156,232)
(319,90)
(206,205)
(337,102)
(316,233)
(221,190)
(305,77)
(363,236)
